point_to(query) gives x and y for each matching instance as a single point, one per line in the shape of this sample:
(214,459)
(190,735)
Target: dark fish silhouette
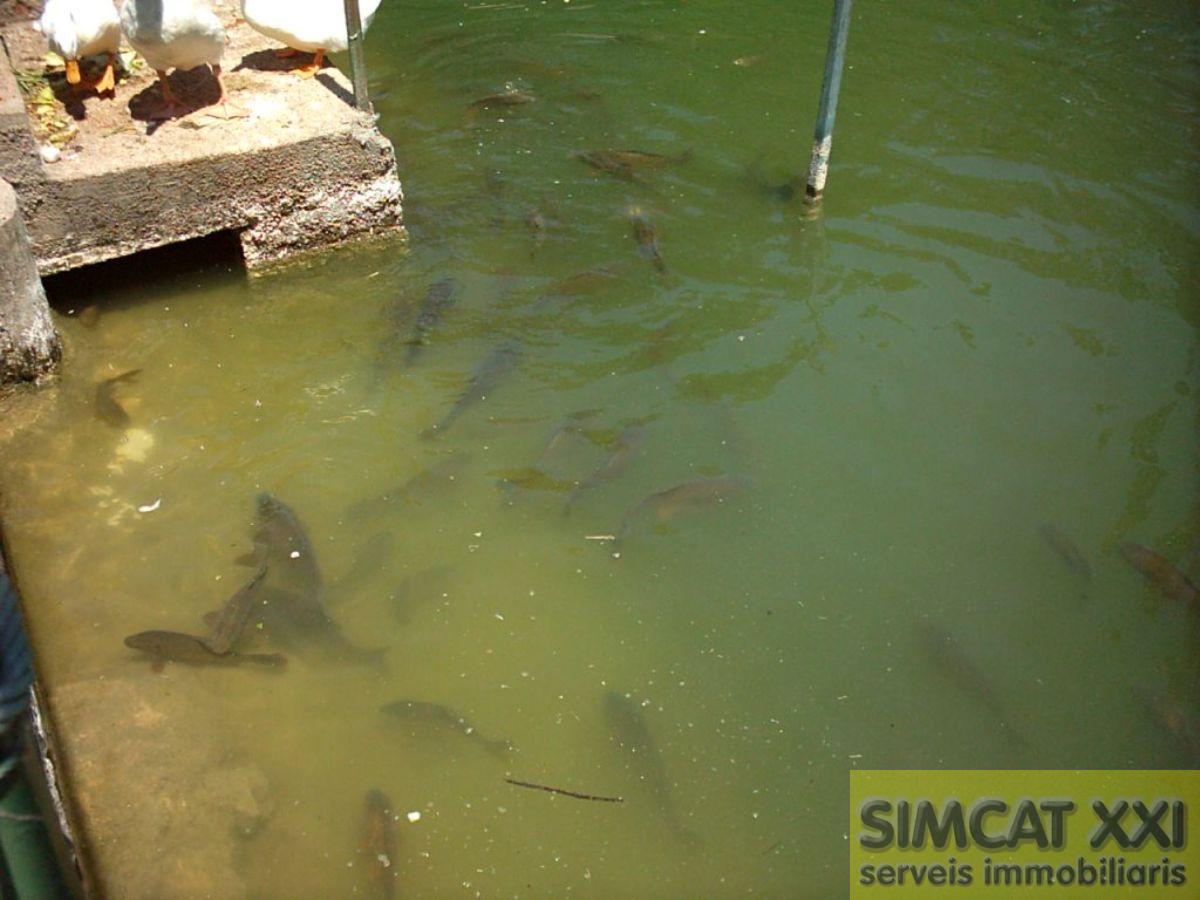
(949,657)
(795,186)
(567,431)
(946,653)
(291,609)
(1069,552)
(379,842)
(231,620)
(282,542)
(418,589)
(107,407)
(628,728)
(416,489)
(372,557)
(624,450)
(536,223)
(438,298)
(503,99)
(1177,720)
(493,370)
(436,716)
(696,494)
(646,236)
(573,285)
(173,646)
(625,164)
(531,479)
(1160,572)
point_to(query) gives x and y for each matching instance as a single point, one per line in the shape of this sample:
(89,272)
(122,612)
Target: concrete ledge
(29,347)
(301,169)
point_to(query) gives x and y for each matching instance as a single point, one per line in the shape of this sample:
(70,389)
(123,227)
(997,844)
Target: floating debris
(554,790)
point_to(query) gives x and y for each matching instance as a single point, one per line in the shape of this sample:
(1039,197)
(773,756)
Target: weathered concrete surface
(302,169)
(183,827)
(29,346)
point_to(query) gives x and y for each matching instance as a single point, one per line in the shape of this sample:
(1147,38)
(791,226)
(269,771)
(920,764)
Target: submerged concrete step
(298,170)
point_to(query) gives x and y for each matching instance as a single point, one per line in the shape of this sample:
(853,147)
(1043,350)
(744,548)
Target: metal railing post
(835,56)
(358,61)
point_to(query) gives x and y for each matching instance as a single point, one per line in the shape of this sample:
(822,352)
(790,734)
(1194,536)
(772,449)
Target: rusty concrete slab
(299,169)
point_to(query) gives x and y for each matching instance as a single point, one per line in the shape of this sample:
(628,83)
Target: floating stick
(575,794)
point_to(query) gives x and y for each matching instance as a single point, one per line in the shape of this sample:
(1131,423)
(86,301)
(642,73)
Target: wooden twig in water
(575,794)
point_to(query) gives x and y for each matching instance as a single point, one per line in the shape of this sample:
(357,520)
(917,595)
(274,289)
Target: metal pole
(835,56)
(358,62)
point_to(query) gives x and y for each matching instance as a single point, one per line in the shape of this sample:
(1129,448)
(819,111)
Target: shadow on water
(130,281)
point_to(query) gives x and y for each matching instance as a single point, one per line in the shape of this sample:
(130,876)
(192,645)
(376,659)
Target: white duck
(314,26)
(175,34)
(75,29)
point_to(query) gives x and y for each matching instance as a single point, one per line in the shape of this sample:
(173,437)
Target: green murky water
(989,330)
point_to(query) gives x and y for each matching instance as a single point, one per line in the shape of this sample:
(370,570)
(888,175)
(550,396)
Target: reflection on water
(895,487)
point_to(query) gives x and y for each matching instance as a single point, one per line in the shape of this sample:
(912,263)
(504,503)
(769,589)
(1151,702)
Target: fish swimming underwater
(625,164)
(646,236)
(696,494)
(379,842)
(417,489)
(503,100)
(419,589)
(624,450)
(173,646)
(1160,572)
(438,717)
(944,652)
(631,733)
(231,621)
(282,542)
(107,407)
(290,608)
(438,298)
(499,363)
(1069,552)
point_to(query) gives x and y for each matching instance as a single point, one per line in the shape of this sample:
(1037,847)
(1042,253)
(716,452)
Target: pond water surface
(987,336)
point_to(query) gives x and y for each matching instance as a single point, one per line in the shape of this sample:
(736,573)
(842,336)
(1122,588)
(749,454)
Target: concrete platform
(301,170)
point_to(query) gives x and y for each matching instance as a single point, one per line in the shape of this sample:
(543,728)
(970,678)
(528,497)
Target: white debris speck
(50,153)
(414,816)
(150,507)
(498,616)
(295,554)
(478,534)
(383,860)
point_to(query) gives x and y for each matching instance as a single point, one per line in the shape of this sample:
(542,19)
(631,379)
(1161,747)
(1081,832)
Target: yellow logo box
(1001,834)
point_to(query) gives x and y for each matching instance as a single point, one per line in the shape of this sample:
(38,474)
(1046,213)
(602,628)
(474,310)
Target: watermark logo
(1012,834)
